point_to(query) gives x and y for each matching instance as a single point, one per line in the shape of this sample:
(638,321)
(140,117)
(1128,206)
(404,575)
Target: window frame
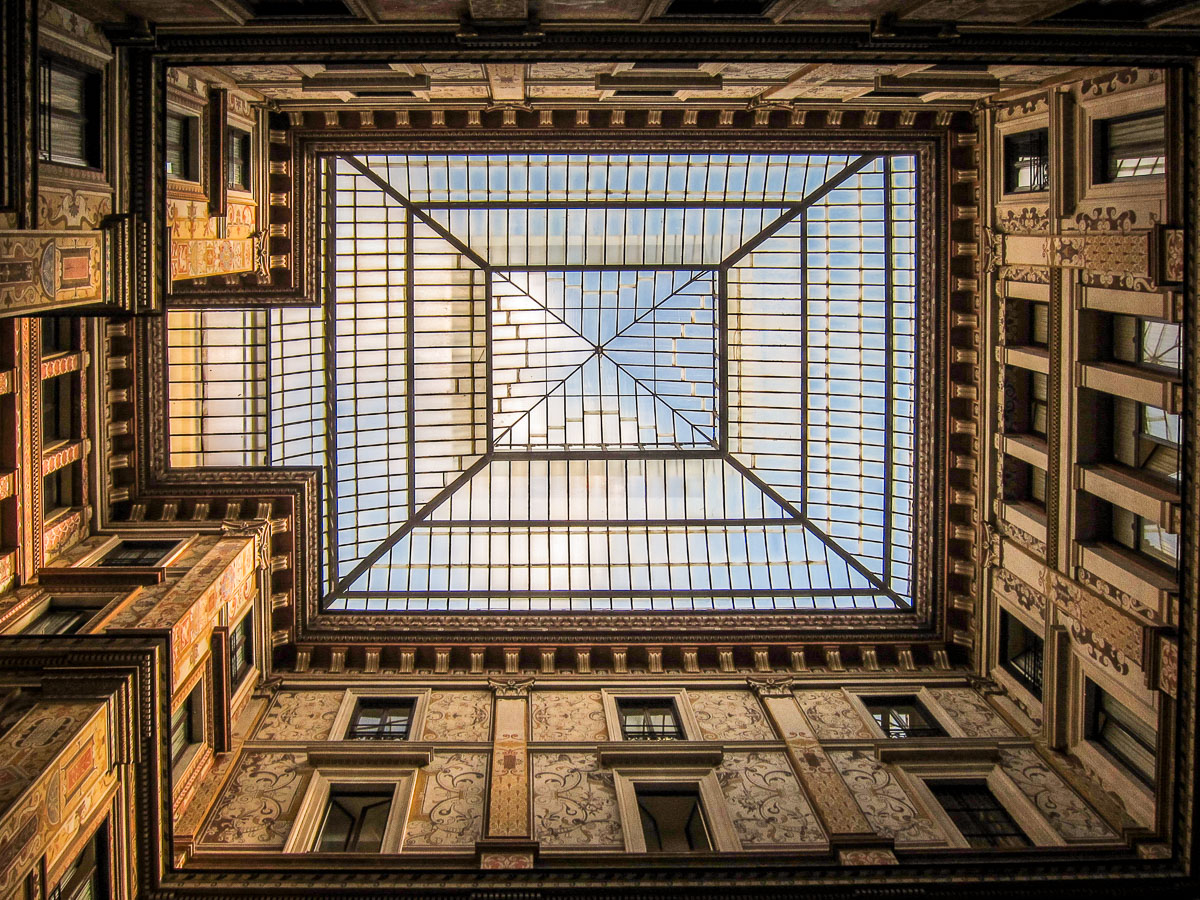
(343,718)
(195,723)
(190,145)
(310,816)
(91,117)
(92,559)
(98,869)
(1008,170)
(237,675)
(1007,622)
(915,777)
(859,697)
(1101,139)
(92,607)
(411,702)
(240,138)
(626,781)
(892,701)
(1091,706)
(688,724)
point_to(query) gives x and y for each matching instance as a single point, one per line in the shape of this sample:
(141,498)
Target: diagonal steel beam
(502,273)
(791,212)
(369,173)
(396,536)
(653,393)
(829,542)
(659,304)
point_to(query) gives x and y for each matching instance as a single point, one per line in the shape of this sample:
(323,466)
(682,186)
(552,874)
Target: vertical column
(508,843)
(850,835)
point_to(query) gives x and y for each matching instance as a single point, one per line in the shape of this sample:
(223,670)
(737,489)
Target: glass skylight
(604,382)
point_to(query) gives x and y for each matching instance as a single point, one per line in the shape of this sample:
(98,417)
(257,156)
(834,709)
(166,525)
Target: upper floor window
(137,553)
(1039,405)
(237,170)
(672,819)
(241,648)
(60,489)
(59,401)
(87,876)
(187,724)
(978,815)
(1026,162)
(1130,146)
(355,820)
(60,334)
(69,113)
(58,620)
(381,720)
(903,717)
(649,720)
(1021,653)
(1116,728)
(183,140)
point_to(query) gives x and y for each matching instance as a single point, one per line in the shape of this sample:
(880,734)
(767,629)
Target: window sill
(1163,391)
(371,753)
(1028,356)
(1150,584)
(1132,490)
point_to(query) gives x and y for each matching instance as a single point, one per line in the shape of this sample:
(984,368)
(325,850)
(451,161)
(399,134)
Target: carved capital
(510,688)
(771,687)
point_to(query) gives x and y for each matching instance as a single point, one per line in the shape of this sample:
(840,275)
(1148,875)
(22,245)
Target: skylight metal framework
(598,382)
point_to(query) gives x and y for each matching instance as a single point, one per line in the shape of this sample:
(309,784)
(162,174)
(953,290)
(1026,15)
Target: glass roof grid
(418,330)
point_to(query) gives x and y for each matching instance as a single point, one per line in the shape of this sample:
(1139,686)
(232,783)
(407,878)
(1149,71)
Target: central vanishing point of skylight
(610,382)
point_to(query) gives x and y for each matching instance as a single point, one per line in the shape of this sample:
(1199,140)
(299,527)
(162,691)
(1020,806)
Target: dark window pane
(649,720)
(137,553)
(238,161)
(1026,162)
(182,135)
(355,820)
(1122,733)
(978,815)
(672,820)
(1021,653)
(57,621)
(87,876)
(241,648)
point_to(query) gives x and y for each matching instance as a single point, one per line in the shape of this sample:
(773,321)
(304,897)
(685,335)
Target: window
(381,720)
(1156,542)
(1116,728)
(1026,162)
(355,819)
(649,720)
(59,489)
(237,170)
(978,816)
(187,724)
(1147,438)
(1037,486)
(137,553)
(1024,483)
(672,819)
(241,649)
(59,335)
(1038,403)
(58,408)
(1039,323)
(87,876)
(1130,147)
(183,136)
(69,113)
(903,717)
(1021,653)
(1147,343)
(58,620)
